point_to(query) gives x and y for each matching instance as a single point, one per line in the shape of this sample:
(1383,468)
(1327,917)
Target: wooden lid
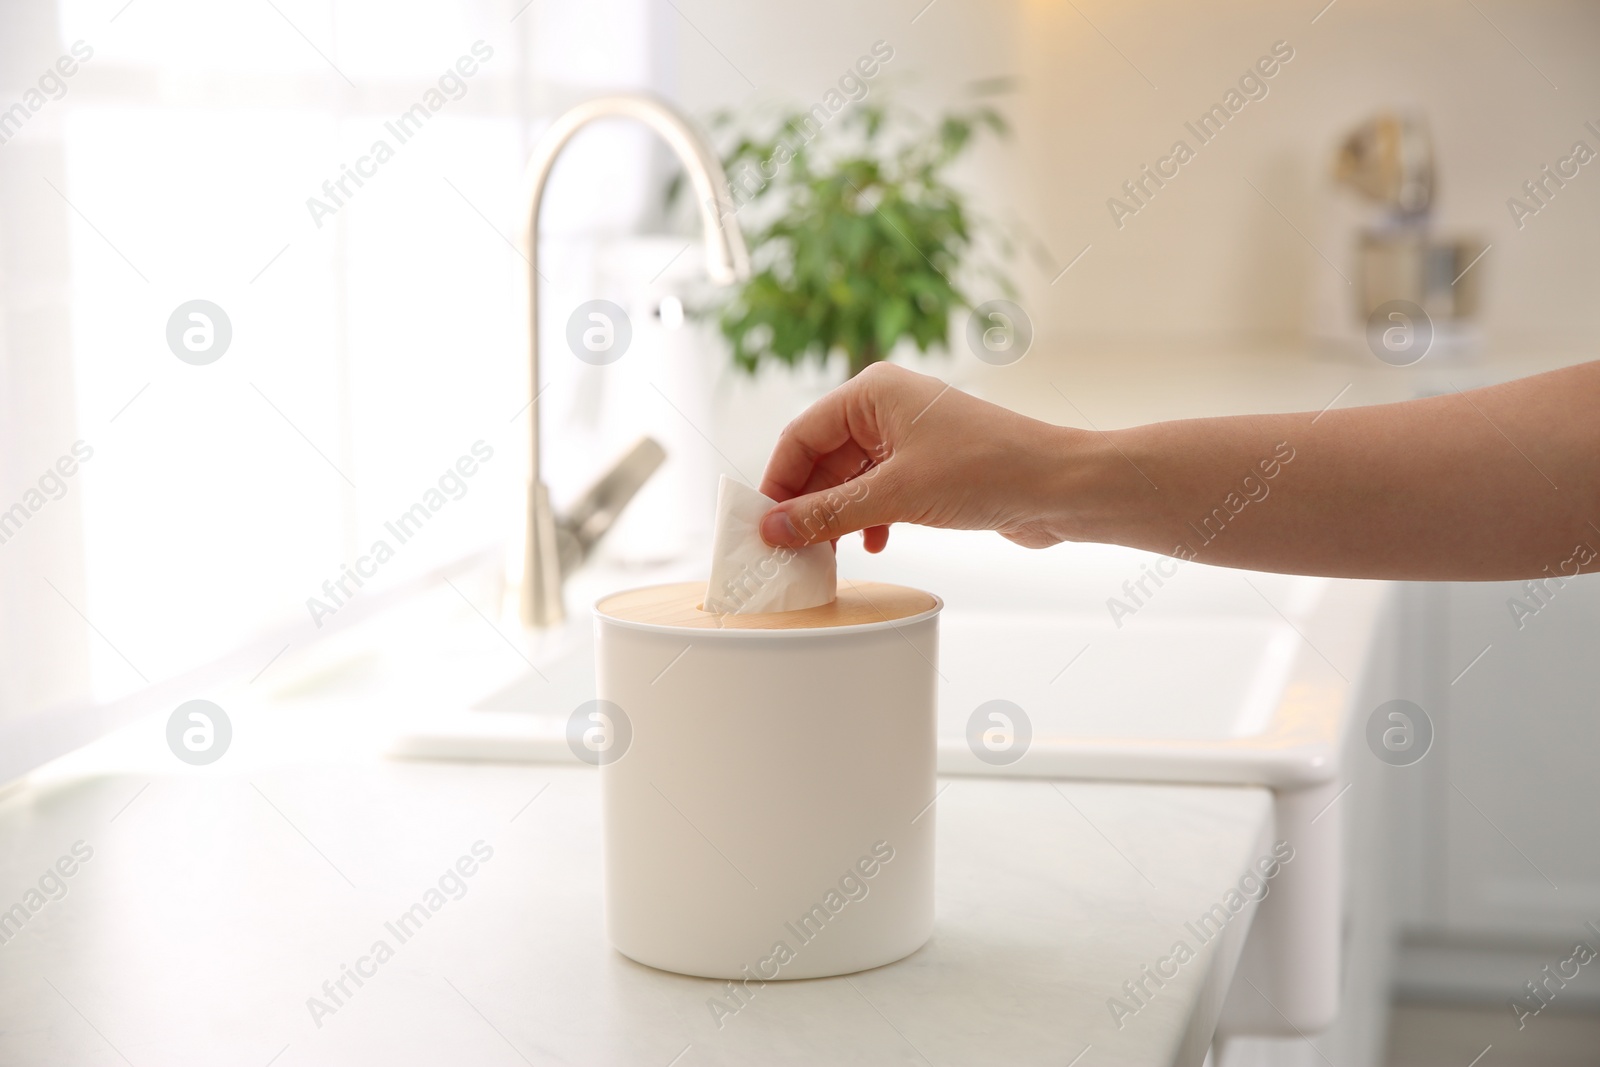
(678,605)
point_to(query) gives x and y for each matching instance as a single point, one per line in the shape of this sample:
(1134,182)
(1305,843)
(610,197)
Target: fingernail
(777,530)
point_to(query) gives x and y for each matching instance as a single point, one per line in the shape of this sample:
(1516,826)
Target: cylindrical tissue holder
(768,794)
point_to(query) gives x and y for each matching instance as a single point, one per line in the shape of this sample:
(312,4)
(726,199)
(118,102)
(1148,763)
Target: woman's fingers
(834,469)
(818,432)
(860,417)
(837,467)
(860,504)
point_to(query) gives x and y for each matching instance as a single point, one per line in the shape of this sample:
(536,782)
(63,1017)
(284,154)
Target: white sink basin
(1078,680)
(1219,675)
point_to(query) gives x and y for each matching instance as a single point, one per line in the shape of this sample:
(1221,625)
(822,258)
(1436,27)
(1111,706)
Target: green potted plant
(859,240)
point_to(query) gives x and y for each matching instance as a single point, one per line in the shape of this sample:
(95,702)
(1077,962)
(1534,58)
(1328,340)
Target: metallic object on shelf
(546,554)
(1389,160)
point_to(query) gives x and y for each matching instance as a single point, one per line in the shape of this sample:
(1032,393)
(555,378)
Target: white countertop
(217,902)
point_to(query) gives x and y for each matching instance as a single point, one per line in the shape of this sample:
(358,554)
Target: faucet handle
(598,509)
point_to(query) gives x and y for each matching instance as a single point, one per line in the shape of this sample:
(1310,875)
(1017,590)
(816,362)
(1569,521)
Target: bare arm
(1495,483)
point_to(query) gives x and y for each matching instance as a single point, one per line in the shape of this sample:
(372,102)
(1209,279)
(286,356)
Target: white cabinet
(1504,825)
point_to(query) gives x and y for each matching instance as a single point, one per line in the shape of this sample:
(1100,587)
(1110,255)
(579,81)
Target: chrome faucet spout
(536,571)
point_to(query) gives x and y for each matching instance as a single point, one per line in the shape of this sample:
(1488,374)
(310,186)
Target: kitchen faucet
(551,548)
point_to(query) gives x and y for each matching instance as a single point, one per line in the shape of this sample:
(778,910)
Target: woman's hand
(891,445)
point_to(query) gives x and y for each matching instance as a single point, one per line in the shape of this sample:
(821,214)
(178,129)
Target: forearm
(1495,483)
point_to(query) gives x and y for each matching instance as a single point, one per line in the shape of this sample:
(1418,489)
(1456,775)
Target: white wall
(1209,256)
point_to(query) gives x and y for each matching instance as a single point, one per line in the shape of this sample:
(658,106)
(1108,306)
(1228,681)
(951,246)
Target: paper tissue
(749,576)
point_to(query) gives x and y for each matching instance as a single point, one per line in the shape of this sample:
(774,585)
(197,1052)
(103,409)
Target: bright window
(376,336)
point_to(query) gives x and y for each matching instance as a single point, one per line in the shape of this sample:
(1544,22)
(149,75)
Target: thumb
(869,500)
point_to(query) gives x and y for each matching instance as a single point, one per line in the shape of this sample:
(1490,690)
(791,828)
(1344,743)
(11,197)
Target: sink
(1076,679)
(1216,677)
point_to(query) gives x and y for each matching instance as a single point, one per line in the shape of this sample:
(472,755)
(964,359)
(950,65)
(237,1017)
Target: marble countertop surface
(214,903)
